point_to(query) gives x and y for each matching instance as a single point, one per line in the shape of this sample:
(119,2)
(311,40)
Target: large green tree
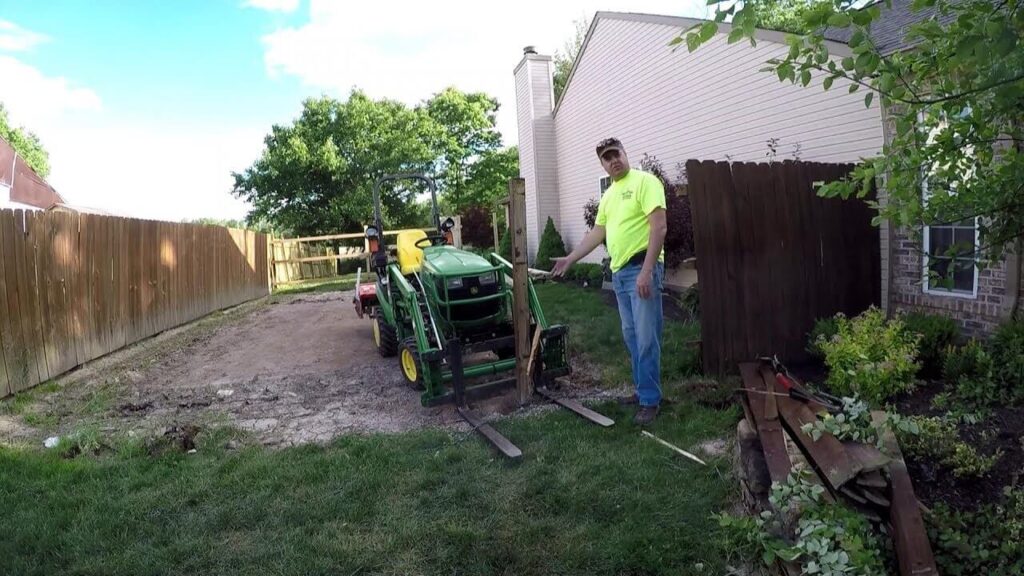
(956,98)
(316,175)
(564,58)
(489,176)
(26,144)
(466,133)
(786,15)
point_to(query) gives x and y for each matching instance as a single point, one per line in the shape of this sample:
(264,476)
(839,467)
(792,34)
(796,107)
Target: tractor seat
(410,258)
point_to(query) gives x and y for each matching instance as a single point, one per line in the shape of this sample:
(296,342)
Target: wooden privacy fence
(773,257)
(298,259)
(74,287)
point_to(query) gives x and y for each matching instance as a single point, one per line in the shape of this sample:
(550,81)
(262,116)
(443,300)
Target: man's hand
(643,283)
(561,266)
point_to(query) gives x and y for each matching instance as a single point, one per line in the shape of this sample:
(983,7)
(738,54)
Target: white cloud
(14,38)
(164,171)
(408,49)
(273,5)
(157,169)
(34,99)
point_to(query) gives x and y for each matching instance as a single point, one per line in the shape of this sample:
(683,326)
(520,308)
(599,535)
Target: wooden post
(366,248)
(520,304)
(457,232)
(494,224)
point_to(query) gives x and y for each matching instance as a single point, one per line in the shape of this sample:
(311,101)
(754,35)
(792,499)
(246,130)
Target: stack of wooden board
(874,482)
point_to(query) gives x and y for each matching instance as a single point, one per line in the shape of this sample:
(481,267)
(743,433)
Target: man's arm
(655,241)
(592,240)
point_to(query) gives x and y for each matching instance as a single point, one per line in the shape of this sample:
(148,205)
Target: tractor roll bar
(393,177)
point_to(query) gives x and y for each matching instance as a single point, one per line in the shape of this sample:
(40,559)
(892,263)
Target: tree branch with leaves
(954,92)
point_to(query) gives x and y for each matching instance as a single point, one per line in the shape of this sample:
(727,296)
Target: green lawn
(583,500)
(595,332)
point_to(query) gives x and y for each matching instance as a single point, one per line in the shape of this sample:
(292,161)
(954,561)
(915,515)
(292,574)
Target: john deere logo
(474,290)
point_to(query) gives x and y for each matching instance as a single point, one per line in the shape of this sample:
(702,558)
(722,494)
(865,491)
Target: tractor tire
(409,361)
(385,337)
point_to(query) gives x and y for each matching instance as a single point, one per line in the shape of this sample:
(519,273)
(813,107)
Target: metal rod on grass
(672,447)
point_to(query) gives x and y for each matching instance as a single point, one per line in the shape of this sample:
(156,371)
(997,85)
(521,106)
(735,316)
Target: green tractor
(447,314)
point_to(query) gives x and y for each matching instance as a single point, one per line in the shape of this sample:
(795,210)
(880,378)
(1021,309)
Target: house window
(950,259)
(604,183)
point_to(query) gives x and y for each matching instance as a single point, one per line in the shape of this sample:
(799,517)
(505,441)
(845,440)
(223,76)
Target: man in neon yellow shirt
(631,221)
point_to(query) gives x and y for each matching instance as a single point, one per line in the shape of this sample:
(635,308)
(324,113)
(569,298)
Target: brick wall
(903,282)
(978,316)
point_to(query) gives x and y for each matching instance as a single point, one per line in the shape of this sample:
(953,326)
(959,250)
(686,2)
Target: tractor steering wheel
(431,240)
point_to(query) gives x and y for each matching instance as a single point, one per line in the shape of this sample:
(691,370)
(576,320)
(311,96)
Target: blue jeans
(641,329)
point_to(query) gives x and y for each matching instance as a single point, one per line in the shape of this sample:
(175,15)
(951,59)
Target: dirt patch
(290,370)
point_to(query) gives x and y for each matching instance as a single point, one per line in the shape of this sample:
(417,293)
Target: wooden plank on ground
(826,454)
(913,550)
(770,432)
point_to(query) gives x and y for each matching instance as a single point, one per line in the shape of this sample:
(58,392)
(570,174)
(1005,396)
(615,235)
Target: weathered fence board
(773,257)
(74,287)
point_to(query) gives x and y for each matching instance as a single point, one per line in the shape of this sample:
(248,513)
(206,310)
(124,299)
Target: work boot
(645,415)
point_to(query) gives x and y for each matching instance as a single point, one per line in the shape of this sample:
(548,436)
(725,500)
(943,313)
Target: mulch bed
(1002,429)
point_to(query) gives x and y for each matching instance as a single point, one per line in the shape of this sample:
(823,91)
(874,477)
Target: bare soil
(288,370)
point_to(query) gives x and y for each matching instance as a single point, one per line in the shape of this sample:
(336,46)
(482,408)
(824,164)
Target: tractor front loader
(440,309)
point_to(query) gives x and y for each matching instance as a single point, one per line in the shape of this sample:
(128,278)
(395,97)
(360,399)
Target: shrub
(968,361)
(505,246)
(551,246)
(477,229)
(824,536)
(938,440)
(870,357)
(590,213)
(987,541)
(581,272)
(969,375)
(937,334)
(824,329)
(679,240)
(1008,355)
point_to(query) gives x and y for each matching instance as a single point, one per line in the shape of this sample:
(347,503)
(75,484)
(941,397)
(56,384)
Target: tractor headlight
(454,283)
(489,279)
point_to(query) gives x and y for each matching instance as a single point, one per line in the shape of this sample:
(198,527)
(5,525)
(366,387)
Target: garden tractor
(447,314)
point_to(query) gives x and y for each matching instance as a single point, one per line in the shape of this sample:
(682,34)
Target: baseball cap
(609,144)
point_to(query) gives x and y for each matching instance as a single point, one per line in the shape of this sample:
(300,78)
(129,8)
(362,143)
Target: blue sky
(147,106)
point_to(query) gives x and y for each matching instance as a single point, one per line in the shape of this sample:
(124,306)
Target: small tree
(476,227)
(679,238)
(505,246)
(551,246)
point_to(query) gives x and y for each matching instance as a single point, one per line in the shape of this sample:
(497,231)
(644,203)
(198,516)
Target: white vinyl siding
(713,104)
(537,156)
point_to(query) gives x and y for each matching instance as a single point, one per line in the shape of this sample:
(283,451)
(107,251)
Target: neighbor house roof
(22,184)
(890,31)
